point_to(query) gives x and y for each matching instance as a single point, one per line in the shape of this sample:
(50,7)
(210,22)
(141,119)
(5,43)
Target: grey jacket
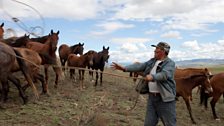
(164,76)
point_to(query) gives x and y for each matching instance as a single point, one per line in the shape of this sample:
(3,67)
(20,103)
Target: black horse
(99,60)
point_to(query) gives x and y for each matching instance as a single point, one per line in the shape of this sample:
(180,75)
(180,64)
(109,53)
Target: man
(159,72)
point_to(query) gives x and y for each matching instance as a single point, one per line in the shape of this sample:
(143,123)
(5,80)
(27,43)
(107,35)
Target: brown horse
(8,57)
(17,41)
(65,50)
(99,60)
(187,80)
(1,31)
(82,62)
(218,90)
(33,62)
(43,39)
(47,53)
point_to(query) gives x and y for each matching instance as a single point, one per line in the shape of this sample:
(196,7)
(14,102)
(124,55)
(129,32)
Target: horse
(33,62)
(43,39)
(1,31)
(187,79)
(47,53)
(17,41)
(82,62)
(218,90)
(8,57)
(99,60)
(65,50)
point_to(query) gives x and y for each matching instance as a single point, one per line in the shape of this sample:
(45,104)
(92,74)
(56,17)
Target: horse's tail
(24,68)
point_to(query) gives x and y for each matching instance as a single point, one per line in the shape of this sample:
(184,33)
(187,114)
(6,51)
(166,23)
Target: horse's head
(207,84)
(22,41)
(1,31)
(78,48)
(53,39)
(105,53)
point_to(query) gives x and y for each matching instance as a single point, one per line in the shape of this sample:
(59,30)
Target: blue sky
(193,28)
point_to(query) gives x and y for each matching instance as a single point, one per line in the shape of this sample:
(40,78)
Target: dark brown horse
(217,82)
(65,50)
(43,39)
(1,31)
(8,57)
(187,80)
(99,60)
(33,62)
(81,62)
(17,41)
(47,53)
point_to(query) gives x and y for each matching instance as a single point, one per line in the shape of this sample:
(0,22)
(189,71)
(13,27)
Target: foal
(81,62)
(185,85)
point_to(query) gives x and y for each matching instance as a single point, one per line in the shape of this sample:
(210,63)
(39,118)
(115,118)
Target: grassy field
(108,105)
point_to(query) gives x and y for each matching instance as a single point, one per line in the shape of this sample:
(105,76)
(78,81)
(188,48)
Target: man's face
(159,53)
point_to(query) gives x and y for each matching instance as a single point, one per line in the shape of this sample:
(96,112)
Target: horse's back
(63,50)
(73,60)
(189,71)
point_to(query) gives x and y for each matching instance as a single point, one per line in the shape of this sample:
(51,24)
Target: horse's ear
(79,44)
(52,31)
(2,24)
(108,48)
(82,44)
(58,32)
(103,48)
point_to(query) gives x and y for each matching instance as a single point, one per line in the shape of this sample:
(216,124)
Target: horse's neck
(196,81)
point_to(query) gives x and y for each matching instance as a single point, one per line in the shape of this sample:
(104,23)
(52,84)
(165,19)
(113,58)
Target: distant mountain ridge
(192,62)
(199,62)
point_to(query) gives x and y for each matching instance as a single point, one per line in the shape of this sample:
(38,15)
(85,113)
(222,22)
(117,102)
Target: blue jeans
(156,109)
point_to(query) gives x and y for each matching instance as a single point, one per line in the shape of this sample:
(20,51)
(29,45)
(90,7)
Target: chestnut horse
(8,57)
(33,62)
(1,31)
(217,82)
(65,50)
(80,61)
(47,53)
(189,78)
(99,60)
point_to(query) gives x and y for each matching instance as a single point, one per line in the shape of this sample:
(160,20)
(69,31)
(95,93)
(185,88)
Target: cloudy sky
(193,28)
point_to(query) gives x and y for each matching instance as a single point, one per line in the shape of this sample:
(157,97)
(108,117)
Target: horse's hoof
(217,119)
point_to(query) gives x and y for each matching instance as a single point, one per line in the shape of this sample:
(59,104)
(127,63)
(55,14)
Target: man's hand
(117,66)
(149,77)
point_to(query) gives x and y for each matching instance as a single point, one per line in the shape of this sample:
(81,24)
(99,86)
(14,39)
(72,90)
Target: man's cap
(163,46)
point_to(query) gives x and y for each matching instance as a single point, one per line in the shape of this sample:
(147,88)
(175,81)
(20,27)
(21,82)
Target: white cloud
(191,45)
(109,27)
(129,40)
(150,32)
(172,34)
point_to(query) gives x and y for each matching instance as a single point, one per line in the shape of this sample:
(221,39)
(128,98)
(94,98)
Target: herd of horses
(28,54)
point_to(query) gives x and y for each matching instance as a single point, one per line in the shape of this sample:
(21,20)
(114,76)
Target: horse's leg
(101,78)
(46,77)
(97,76)
(40,77)
(16,82)
(80,80)
(5,89)
(83,72)
(213,102)
(56,70)
(187,102)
